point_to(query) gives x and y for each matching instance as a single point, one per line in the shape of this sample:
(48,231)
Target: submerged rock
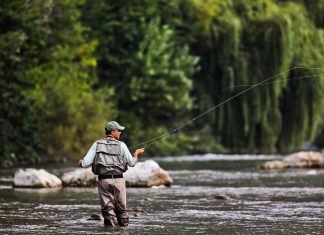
(217,197)
(131,213)
(221,197)
(32,178)
(95,217)
(135,212)
(81,177)
(297,160)
(147,174)
(213,198)
(270,165)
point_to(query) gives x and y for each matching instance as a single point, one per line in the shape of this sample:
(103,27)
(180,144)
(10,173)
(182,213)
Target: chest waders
(109,164)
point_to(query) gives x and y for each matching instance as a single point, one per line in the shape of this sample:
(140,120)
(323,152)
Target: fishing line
(250,87)
(86,192)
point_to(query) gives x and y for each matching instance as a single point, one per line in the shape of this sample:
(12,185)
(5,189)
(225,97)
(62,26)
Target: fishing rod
(250,87)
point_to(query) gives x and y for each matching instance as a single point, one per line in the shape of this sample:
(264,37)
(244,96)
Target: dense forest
(69,66)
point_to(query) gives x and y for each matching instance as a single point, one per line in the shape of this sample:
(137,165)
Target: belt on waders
(109,176)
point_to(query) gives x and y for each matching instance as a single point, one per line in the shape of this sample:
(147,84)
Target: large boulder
(305,159)
(32,178)
(297,160)
(79,177)
(147,174)
(144,174)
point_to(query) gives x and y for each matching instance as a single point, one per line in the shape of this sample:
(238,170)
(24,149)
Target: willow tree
(243,43)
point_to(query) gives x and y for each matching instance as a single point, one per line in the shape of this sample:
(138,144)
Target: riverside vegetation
(68,66)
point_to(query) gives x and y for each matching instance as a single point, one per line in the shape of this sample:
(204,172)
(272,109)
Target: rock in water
(222,197)
(95,217)
(79,177)
(135,212)
(147,174)
(131,213)
(270,165)
(305,159)
(144,174)
(297,160)
(32,178)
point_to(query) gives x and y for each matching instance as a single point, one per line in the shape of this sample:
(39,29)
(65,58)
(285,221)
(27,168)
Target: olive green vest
(108,158)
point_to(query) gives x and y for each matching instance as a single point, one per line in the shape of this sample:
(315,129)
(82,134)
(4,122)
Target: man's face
(116,133)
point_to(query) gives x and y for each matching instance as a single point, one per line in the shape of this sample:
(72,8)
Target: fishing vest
(108,159)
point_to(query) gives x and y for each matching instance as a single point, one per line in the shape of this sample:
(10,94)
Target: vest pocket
(111,149)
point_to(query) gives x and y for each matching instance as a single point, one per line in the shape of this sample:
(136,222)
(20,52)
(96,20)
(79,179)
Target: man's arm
(130,159)
(138,153)
(88,159)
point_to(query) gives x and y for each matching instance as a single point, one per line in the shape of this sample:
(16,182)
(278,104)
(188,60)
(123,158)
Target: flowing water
(211,194)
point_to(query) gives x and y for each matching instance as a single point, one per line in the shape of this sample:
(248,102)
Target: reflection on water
(212,195)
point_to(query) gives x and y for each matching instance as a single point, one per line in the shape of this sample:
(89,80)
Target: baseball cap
(113,125)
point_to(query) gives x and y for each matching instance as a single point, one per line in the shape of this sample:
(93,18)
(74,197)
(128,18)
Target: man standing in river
(109,158)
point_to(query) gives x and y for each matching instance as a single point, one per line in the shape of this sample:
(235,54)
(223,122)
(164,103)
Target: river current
(211,194)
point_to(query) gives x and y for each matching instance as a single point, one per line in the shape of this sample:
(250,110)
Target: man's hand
(138,152)
(80,163)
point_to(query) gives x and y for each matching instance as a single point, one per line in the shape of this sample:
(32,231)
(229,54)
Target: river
(211,194)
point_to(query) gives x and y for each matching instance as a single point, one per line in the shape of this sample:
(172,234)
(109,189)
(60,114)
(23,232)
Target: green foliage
(75,115)
(161,82)
(145,59)
(68,66)
(19,114)
(47,71)
(315,10)
(247,42)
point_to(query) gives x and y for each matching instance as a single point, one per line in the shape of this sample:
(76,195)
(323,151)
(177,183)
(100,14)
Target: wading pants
(112,194)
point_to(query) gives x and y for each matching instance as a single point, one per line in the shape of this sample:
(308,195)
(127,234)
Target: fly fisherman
(109,158)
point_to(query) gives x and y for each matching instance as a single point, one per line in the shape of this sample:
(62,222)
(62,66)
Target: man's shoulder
(122,143)
(109,139)
(101,141)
